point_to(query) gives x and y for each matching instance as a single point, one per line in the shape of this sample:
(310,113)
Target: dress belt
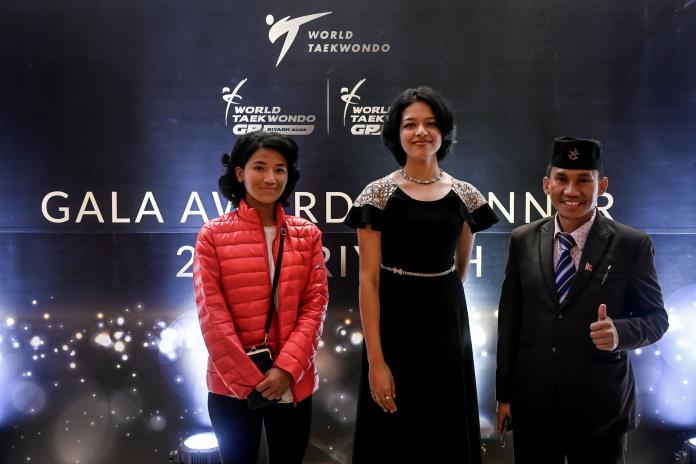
(399,271)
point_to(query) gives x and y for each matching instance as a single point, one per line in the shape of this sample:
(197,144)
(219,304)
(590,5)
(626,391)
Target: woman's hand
(382,386)
(276,383)
(503,412)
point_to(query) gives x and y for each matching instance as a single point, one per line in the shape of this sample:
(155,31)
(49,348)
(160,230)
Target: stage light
(668,376)
(201,448)
(687,455)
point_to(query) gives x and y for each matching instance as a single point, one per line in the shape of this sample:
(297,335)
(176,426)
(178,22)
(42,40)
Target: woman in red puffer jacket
(234,267)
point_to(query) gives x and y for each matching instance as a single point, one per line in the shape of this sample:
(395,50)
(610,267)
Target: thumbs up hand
(603,332)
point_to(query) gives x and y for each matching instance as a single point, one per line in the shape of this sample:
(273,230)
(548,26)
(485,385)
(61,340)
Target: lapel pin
(588,267)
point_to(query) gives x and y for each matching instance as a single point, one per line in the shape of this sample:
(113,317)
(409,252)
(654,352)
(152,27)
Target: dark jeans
(238,430)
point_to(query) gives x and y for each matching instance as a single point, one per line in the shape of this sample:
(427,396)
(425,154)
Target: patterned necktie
(565,269)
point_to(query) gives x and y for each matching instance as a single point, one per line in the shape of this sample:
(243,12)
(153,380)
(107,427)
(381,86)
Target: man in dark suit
(579,291)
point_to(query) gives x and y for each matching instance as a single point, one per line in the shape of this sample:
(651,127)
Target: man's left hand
(603,332)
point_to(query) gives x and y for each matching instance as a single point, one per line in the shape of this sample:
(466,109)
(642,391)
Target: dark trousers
(542,447)
(238,430)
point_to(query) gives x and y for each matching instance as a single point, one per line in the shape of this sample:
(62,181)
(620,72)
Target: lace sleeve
(370,204)
(475,209)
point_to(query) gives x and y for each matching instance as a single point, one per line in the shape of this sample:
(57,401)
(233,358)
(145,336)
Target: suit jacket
(548,369)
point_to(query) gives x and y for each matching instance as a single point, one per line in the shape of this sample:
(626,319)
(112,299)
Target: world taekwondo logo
(289,28)
(319,41)
(247,118)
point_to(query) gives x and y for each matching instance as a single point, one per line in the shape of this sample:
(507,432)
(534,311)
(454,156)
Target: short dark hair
(243,149)
(444,120)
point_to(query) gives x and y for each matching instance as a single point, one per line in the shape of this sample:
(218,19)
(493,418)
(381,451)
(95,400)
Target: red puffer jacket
(233,290)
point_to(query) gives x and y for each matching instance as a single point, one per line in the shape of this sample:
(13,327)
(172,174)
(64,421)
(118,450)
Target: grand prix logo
(229,97)
(365,120)
(247,119)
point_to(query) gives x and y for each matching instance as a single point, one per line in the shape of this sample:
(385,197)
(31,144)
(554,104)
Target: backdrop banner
(113,119)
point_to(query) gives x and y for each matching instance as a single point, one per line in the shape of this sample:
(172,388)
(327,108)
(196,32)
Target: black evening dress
(424,329)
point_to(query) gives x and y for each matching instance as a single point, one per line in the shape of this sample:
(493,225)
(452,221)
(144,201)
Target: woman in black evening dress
(416,228)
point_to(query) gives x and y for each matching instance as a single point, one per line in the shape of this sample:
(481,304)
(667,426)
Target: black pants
(542,447)
(238,430)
